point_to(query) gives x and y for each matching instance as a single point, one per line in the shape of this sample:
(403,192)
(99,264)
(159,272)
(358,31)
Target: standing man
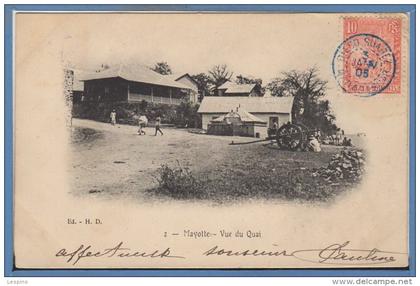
(113,117)
(157,126)
(339,137)
(318,135)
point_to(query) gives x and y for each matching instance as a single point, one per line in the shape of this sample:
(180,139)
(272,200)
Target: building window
(140,89)
(146,90)
(161,91)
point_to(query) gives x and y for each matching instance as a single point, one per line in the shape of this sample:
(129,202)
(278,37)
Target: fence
(155,99)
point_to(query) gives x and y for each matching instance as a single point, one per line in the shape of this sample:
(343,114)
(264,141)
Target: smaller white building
(268,109)
(238,122)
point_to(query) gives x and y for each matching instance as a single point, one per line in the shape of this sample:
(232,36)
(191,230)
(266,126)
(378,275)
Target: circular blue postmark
(364,65)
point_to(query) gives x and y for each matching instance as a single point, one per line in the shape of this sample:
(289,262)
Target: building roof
(136,73)
(243,115)
(237,88)
(77,82)
(224,104)
(179,76)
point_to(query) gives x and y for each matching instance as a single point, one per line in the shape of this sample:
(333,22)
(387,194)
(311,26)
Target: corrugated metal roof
(224,104)
(236,88)
(244,116)
(138,74)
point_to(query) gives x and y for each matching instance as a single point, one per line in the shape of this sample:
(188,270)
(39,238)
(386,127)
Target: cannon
(290,136)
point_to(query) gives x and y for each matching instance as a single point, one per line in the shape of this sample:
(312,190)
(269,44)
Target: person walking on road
(157,126)
(142,123)
(113,117)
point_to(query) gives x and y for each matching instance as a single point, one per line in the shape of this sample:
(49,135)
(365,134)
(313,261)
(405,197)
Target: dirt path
(111,160)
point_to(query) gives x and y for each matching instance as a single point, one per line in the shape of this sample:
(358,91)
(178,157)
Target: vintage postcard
(211,140)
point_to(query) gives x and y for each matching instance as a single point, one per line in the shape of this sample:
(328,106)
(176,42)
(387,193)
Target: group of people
(142,122)
(335,139)
(315,138)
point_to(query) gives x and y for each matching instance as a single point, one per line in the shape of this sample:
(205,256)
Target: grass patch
(251,180)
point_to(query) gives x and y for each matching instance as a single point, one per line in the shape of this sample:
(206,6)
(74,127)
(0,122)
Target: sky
(257,45)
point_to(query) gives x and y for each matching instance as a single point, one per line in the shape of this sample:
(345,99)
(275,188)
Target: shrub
(178,182)
(348,165)
(126,111)
(187,115)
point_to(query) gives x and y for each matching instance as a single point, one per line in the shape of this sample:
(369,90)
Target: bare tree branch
(220,74)
(307,89)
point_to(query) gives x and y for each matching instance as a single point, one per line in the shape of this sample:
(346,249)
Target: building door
(272,120)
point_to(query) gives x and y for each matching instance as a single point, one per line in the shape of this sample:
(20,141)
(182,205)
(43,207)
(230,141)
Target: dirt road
(111,160)
(114,161)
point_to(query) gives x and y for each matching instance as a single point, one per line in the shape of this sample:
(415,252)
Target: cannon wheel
(290,136)
(305,135)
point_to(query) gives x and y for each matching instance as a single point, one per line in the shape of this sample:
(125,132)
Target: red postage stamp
(371,55)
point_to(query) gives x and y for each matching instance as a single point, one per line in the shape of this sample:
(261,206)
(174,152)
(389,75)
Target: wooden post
(170,95)
(128,91)
(151,92)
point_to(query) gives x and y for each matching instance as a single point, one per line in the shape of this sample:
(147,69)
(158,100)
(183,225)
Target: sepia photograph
(207,132)
(222,140)
(144,133)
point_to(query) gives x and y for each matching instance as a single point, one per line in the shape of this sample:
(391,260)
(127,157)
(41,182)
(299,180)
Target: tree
(308,90)
(162,68)
(249,80)
(204,85)
(276,88)
(187,115)
(219,74)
